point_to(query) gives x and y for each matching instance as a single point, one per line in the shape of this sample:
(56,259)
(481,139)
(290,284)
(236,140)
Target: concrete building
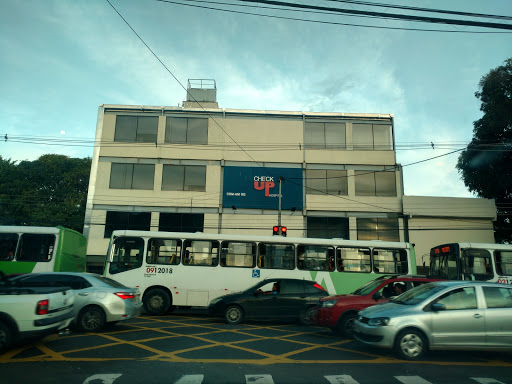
(198,167)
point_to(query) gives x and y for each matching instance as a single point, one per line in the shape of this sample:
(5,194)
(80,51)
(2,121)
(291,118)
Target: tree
(49,191)
(486,164)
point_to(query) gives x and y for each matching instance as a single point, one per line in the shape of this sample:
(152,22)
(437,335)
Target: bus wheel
(90,319)
(157,302)
(234,314)
(308,316)
(5,336)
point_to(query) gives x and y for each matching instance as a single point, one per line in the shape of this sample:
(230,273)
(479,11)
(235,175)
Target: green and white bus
(41,249)
(191,269)
(472,261)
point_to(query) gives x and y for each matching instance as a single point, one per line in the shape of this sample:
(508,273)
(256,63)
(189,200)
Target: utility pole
(279,211)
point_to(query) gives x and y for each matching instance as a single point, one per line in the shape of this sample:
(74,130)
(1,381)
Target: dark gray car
(441,315)
(282,299)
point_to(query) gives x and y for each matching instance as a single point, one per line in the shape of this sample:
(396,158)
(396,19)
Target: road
(190,348)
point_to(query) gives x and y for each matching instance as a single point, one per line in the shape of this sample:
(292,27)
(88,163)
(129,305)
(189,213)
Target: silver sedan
(98,300)
(441,315)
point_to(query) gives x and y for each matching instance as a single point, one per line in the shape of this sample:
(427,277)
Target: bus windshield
(444,266)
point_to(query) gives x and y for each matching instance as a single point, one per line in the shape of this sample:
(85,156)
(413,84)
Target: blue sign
(256,273)
(258,188)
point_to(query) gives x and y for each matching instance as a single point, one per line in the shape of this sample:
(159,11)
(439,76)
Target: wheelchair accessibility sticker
(256,273)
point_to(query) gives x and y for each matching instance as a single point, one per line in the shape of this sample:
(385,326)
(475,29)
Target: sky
(62,59)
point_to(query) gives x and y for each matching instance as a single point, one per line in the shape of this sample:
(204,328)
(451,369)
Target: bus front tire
(157,302)
(234,315)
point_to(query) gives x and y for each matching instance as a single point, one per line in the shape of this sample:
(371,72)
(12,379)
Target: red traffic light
(275,230)
(283,231)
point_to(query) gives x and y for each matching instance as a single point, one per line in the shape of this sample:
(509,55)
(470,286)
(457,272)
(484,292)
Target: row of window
(27,247)
(317,227)
(191,130)
(193,178)
(128,251)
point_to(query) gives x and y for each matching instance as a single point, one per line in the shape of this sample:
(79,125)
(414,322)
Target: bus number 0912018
(158,270)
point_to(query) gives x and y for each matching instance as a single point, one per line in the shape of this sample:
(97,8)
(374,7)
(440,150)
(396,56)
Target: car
(339,312)
(98,300)
(277,299)
(451,315)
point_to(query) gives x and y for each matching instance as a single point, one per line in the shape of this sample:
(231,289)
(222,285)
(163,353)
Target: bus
(472,261)
(41,249)
(191,269)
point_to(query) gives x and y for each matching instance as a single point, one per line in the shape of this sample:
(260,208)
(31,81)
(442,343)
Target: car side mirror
(438,307)
(377,296)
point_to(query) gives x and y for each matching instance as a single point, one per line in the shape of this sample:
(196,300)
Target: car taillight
(319,287)
(42,307)
(125,295)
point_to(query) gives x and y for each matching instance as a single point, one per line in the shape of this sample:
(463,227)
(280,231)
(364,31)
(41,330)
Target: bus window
(353,260)
(503,260)
(476,264)
(164,251)
(278,256)
(127,254)
(35,247)
(8,243)
(390,261)
(201,252)
(315,258)
(237,254)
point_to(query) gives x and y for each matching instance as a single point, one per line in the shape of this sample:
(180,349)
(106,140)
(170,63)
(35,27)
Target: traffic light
(283,231)
(277,230)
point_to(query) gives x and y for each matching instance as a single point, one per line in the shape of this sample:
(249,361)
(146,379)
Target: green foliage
(49,191)
(486,164)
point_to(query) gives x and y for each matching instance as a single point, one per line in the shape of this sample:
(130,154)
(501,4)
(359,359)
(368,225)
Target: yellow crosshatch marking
(159,337)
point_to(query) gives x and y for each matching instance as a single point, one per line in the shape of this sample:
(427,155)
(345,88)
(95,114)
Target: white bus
(472,261)
(191,269)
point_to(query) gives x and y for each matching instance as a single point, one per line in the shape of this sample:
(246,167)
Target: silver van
(440,315)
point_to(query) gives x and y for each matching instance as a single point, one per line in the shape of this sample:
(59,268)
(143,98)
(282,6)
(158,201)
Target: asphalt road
(191,348)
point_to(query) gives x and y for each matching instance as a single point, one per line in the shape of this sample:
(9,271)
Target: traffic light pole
(279,211)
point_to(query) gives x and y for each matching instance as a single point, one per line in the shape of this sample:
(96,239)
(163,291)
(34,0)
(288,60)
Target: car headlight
(378,321)
(329,303)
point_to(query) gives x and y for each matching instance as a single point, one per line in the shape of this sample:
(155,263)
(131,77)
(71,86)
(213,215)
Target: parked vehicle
(32,312)
(283,299)
(441,315)
(99,300)
(339,312)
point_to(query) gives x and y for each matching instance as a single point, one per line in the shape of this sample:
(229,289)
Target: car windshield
(367,288)
(418,294)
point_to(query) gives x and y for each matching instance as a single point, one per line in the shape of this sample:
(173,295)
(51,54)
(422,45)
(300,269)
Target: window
(476,264)
(353,260)
(164,251)
(181,222)
(377,229)
(201,252)
(278,256)
(132,176)
(371,137)
(186,130)
(498,297)
(370,183)
(127,220)
(315,258)
(237,254)
(459,298)
(328,227)
(136,128)
(128,253)
(326,181)
(324,135)
(184,178)
(503,260)
(8,243)
(390,261)
(35,247)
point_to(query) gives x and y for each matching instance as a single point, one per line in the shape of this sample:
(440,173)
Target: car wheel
(308,316)
(5,336)
(410,344)
(91,319)
(234,314)
(157,302)
(346,325)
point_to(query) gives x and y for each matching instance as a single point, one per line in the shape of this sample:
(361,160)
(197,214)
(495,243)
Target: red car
(339,312)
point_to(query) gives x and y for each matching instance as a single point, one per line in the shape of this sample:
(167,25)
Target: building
(198,167)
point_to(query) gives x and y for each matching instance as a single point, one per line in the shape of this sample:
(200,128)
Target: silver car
(98,300)
(440,315)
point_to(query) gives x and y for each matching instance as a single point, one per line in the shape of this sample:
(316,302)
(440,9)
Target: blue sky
(62,59)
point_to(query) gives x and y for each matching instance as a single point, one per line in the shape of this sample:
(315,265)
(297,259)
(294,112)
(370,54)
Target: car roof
(83,274)
(456,283)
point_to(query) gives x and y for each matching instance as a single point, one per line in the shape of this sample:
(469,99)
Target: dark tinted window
(314,288)
(35,247)
(292,287)
(497,297)
(181,222)
(8,242)
(138,221)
